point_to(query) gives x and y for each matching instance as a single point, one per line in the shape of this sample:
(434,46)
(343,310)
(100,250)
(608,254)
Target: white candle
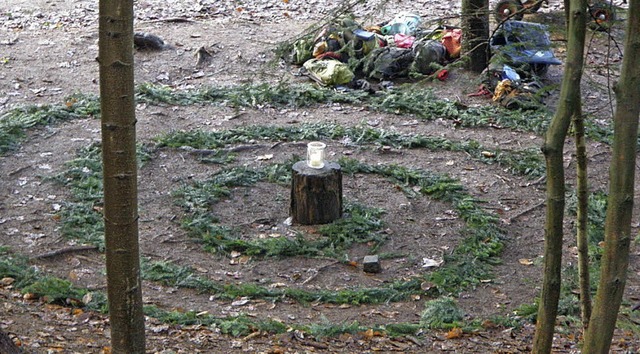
(315,154)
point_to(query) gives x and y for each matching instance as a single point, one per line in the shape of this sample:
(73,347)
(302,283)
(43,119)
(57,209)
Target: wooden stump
(316,194)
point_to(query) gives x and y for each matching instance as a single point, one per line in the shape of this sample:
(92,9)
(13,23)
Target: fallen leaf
(264,157)
(389,314)
(87,298)
(276,350)
(488,324)
(240,302)
(77,312)
(17,342)
(74,302)
(426,285)
(400,345)
(70,102)
(454,333)
(30,296)
(431,263)
(525,261)
(368,334)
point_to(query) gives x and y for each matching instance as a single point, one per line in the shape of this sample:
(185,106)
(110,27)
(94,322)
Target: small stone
(371,264)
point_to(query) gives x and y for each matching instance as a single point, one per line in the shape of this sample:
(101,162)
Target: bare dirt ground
(48,51)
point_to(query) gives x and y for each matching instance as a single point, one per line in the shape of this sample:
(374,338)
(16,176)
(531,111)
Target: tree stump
(316,194)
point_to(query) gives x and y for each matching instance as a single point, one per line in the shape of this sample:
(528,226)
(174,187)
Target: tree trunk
(120,176)
(615,259)
(475,29)
(583,209)
(582,219)
(569,105)
(7,346)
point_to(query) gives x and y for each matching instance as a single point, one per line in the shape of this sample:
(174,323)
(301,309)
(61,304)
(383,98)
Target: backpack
(429,56)
(388,63)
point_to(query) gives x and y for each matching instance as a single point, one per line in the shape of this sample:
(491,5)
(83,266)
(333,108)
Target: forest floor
(223,268)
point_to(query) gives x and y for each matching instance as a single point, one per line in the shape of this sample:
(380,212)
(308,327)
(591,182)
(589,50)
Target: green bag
(429,56)
(329,71)
(388,63)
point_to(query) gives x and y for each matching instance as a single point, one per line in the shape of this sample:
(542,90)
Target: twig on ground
(315,345)
(19,170)
(65,250)
(206,152)
(510,220)
(317,271)
(536,182)
(171,20)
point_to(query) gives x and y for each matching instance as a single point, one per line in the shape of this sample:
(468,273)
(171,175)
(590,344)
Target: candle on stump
(315,154)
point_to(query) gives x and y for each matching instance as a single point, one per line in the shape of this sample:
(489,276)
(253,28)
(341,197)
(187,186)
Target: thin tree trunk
(582,219)
(120,176)
(553,149)
(615,259)
(475,26)
(582,214)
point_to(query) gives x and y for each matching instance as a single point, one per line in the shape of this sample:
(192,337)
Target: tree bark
(569,105)
(117,104)
(475,29)
(615,259)
(582,219)
(7,346)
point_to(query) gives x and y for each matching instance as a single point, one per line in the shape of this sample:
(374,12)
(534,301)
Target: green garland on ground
(406,99)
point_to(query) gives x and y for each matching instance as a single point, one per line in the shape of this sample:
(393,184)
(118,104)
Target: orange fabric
(451,41)
(443,74)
